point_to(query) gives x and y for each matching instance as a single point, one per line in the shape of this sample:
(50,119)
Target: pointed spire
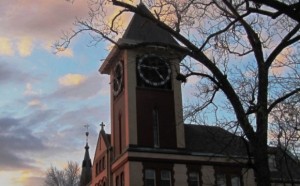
(86,170)
(141,29)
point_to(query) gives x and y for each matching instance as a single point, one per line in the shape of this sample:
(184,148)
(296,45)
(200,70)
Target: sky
(46,98)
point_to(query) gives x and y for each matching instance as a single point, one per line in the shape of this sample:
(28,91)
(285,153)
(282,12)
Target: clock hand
(158,73)
(146,66)
(117,81)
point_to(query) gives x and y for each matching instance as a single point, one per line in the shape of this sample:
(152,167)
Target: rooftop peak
(141,29)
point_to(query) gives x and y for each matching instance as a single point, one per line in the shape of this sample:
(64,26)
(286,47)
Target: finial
(87,132)
(102,126)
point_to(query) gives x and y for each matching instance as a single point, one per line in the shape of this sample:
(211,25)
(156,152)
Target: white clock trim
(140,68)
(118,78)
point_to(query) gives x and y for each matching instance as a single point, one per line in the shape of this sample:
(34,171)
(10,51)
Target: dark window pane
(117,181)
(165,178)
(235,180)
(221,179)
(193,179)
(149,177)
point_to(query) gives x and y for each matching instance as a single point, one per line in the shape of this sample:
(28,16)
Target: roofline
(106,141)
(284,180)
(182,152)
(107,64)
(104,68)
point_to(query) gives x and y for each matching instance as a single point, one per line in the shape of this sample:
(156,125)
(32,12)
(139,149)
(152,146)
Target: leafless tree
(285,134)
(285,126)
(69,176)
(243,52)
(289,8)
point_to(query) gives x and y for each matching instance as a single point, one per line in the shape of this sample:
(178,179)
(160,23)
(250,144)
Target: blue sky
(46,98)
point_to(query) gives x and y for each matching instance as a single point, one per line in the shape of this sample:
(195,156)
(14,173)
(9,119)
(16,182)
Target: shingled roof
(287,166)
(141,29)
(214,140)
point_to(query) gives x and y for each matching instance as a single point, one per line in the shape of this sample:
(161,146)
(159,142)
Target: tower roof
(87,160)
(139,30)
(86,169)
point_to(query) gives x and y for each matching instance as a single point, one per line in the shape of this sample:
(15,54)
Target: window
(97,169)
(228,176)
(120,133)
(228,180)
(117,181)
(122,179)
(235,180)
(158,174)
(100,165)
(150,177)
(165,178)
(103,163)
(272,162)
(221,179)
(193,179)
(155,128)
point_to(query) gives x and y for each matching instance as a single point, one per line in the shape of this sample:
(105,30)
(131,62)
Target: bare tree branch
(281,99)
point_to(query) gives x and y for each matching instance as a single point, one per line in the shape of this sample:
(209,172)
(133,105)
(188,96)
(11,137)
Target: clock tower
(146,106)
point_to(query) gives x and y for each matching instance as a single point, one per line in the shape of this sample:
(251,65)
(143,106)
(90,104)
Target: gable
(103,144)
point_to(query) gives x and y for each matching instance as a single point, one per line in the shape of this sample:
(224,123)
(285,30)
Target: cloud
(15,141)
(39,18)
(25,46)
(33,180)
(71,79)
(280,64)
(6,46)
(29,90)
(66,53)
(43,20)
(36,103)
(78,88)
(21,178)
(9,74)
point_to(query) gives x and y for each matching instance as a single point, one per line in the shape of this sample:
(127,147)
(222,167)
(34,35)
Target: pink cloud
(39,18)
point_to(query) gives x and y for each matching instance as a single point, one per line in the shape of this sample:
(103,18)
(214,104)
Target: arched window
(155,128)
(120,132)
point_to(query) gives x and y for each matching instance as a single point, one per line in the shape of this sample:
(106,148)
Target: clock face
(154,70)
(118,78)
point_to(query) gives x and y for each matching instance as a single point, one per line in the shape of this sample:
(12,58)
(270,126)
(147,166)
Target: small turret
(86,169)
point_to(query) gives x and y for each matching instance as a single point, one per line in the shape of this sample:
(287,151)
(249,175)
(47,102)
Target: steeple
(141,29)
(86,169)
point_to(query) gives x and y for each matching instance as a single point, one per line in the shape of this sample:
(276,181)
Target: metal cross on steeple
(102,125)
